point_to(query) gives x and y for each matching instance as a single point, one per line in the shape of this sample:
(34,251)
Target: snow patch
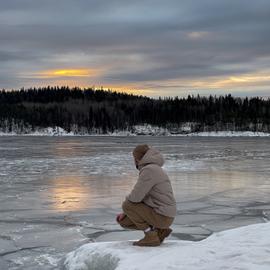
(230,134)
(145,129)
(242,248)
(49,131)
(96,260)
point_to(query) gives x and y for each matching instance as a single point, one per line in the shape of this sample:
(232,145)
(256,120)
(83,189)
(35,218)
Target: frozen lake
(57,193)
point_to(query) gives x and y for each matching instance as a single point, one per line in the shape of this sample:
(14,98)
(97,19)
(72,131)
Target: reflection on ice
(69,193)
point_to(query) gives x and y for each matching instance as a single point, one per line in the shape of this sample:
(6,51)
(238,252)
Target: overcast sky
(154,48)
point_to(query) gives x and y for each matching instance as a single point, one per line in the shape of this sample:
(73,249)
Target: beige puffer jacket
(153,186)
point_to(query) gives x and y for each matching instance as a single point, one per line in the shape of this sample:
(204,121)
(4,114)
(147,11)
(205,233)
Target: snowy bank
(230,134)
(147,130)
(246,248)
(49,131)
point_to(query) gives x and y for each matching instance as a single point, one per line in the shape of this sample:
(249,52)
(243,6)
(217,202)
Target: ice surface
(124,235)
(242,248)
(57,193)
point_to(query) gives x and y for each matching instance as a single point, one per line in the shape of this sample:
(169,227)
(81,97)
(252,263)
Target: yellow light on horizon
(234,81)
(72,72)
(238,79)
(69,72)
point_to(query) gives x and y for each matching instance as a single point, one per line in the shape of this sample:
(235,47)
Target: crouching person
(151,205)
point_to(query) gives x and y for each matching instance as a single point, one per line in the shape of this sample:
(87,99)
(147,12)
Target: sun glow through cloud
(197,35)
(242,80)
(58,73)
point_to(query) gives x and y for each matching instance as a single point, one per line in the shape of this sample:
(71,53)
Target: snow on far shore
(246,248)
(230,134)
(56,131)
(137,131)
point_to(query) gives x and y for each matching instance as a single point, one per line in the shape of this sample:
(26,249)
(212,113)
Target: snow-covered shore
(146,130)
(242,248)
(230,134)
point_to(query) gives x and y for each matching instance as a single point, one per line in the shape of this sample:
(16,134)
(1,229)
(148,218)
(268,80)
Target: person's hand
(120,216)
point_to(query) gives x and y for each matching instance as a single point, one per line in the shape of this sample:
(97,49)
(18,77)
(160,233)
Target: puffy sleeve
(144,184)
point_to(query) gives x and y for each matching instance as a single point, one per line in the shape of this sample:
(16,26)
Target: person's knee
(126,206)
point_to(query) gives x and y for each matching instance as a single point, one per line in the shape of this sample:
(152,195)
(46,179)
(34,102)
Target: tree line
(99,111)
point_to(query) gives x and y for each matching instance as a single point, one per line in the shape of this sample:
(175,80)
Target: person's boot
(150,239)
(163,233)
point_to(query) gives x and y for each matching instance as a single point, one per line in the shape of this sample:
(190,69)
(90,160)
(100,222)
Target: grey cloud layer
(141,41)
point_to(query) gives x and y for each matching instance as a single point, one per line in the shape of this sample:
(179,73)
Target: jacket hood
(152,156)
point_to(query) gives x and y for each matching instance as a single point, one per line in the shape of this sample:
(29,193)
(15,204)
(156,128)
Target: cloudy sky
(149,47)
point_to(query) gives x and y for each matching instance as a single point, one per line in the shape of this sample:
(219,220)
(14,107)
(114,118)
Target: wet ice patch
(182,163)
(29,169)
(172,165)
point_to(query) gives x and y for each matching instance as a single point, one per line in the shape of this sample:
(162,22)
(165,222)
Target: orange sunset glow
(72,72)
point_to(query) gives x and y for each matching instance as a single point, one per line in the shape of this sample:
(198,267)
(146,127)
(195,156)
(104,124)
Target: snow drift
(246,248)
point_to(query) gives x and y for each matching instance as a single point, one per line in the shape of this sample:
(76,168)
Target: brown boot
(163,233)
(150,239)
